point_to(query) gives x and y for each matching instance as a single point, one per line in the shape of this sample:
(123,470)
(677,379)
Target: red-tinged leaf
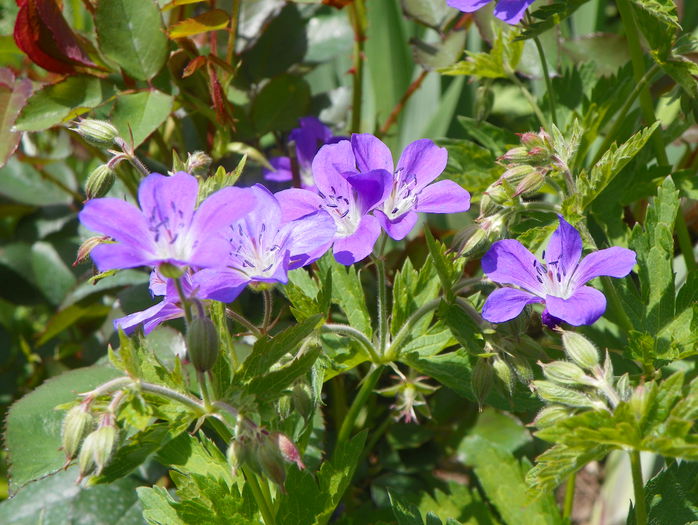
(13,96)
(220,103)
(26,38)
(56,37)
(47,39)
(221,63)
(339,4)
(209,21)
(177,3)
(193,66)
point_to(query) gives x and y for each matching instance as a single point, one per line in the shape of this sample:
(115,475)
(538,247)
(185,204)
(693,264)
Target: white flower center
(171,233)
(254,256)
(554,279)
(343,211)
(403,196)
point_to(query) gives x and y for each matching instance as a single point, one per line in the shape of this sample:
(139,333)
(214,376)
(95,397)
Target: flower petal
(213,217)
(584,307)
(169,198)
(222,285)
(309,238)
(282,170)
(511,11)
(118,219)
(371,187)
(359,244)
(149,318)
(329,166)
(371,153)
(506,303)
(509,262)
(564,248)
(399,228)
(444,196)
(467,6)
(296,203)
(308,138)
(423,160)
(614,262)
(120,256)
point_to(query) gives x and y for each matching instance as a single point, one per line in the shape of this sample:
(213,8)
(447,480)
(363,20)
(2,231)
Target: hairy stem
(548,83)
(382,305)
(531,100)
(568,503)
(259,497)
(395,113)
(355,334)
(243,321)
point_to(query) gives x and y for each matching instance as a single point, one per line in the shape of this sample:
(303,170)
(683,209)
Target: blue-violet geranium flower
(347,195)
(167,228)
(411,190)
(509,11)
(559,283)
(263,247)
(309,138)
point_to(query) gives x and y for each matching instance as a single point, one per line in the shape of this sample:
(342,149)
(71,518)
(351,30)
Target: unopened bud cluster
(410,394)
(580,383)
(264,452)
(89,438)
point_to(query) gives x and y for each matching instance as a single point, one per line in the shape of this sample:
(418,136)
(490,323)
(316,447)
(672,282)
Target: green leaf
(501,476)
(140,114)
(405,513)
(671,496)
(431,13)
(462,326)
(268,350)
(448,266)
(550,15)
(58,499)
(412,289)
(70,316)
(221,179)
(591,184)
(130,32)
(664,10)
(22,183)
(62,101)
(348,293)
(51,274)
(491,137)
(432,56)
(280,103)
(13,96)
(500,62)
(203,23)
(33,427)
(270,386)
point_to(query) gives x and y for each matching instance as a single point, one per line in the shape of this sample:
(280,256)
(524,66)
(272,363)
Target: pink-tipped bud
(87,246)
(288,450)
(77,424)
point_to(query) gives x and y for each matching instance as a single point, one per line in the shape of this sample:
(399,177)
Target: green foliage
(671,495)
(500,62)
(130,33)
(140,114)
(348,293)
(33,427)
(411,289)
(550,15)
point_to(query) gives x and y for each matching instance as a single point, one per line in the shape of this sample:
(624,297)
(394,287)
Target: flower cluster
(509,11)
(239,236)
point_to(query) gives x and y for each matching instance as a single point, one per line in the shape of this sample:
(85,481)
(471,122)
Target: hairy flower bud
(473,240)
(271,460)
(77,424)
(97,132)
(550,415)
(516,174)
(202,343)
(198,163)
(505,373)
(623,387)
(518,154)
(565,373)
(87,246)
(522,368)
(98,447)
(580,350)
(302,399)
(482,380)
(288,450)
(499,192)
(487,206)
(554,393)
(531,183)
(99,182)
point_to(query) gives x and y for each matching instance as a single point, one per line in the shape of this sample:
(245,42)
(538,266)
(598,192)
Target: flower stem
(531,100)
(394,350)
(392,118)
(638,488)
(201,376)
(183,299)
(243,321)
(568,503)
(357,16)
(382,305)
(548,83)
(268,306)
(262,503)
(359,401)
(355,334)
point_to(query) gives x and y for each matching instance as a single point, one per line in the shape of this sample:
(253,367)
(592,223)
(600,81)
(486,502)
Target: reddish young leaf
(193,66)
(13,96)
(220,103)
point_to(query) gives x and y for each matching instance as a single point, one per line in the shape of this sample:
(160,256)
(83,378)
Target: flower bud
(99,182)
(487,206)
(504,373)
(565,373)
(97,132)
(516,174)
(288,450)
(482,380)
(87,246)
(202,343)
(519,154)
(241,452)
(98,447)
(473,241)
(78,422)
(302,399)
(623,387)
(522,368)
(271,460)
(499,193)
(554,393)
(639,401)
(550,415)
(198,163)
(531,183)
(580,350)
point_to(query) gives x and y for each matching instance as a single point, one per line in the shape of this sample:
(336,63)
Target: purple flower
(263,247)
(510,11)
(347,195)
(421,162)
(167,228)
(558,283)
(167,309)
(309,137)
